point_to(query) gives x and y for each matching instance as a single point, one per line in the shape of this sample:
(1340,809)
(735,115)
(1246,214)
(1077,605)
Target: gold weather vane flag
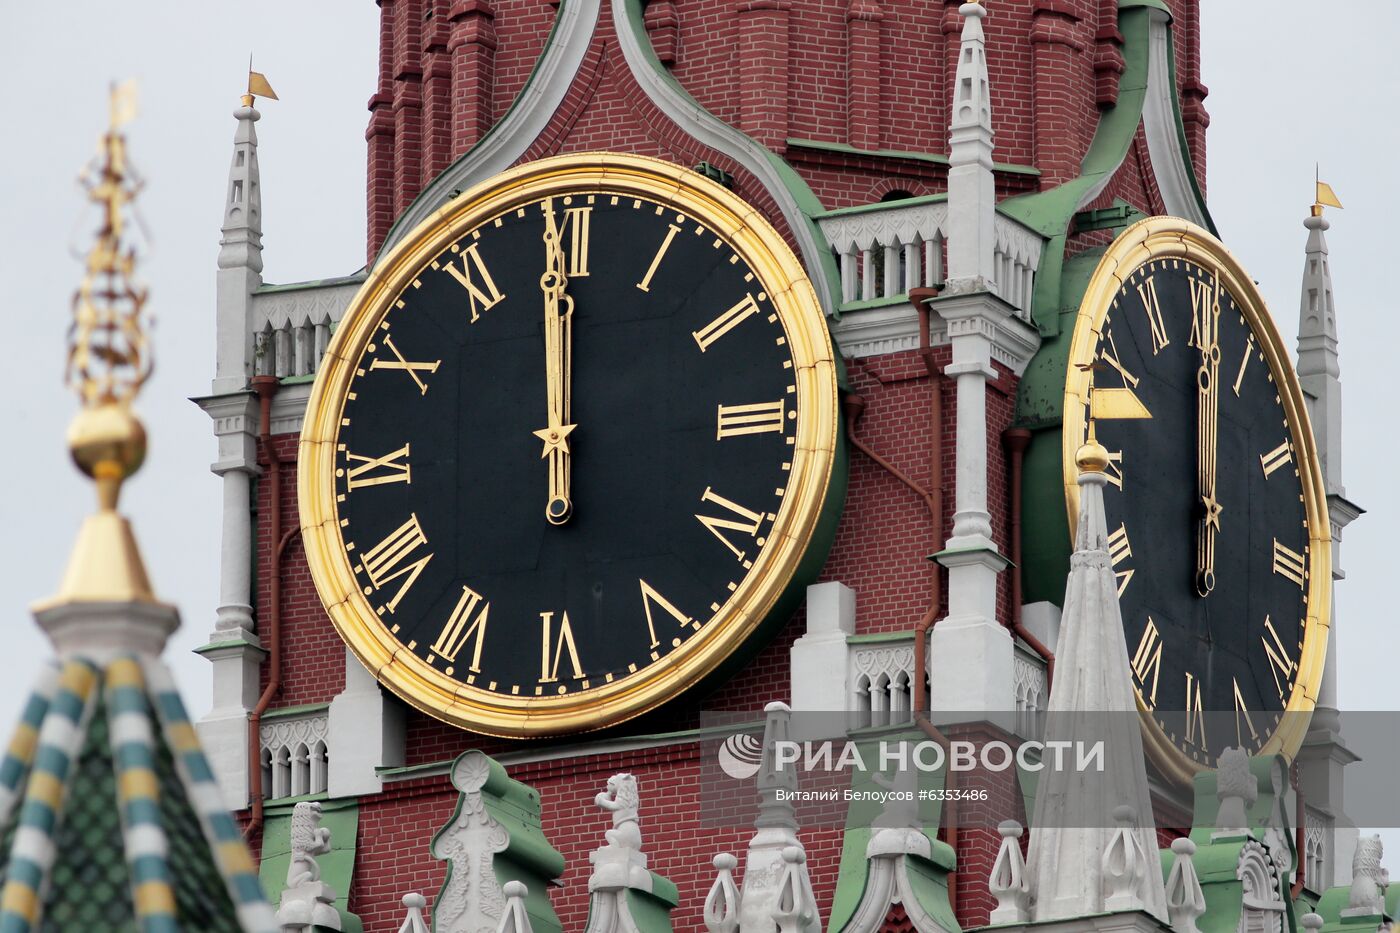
(108,352)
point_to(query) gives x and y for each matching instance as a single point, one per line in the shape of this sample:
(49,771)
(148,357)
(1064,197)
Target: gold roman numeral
(575,228)
(1195,713)
(725,322)
(645,283)
(553,644)
(650,596)
(413,369)
(390,559)
(1119,550)
(1202,314)
(1280,664)
(482,292)
(1114,469)
(758,418)
(1147,660)
(744,520)
(395,466)
(1108,352)
(1244,364)
(1147,291)
(1288,563)
(1276,458)
(1242,712)
(468,618)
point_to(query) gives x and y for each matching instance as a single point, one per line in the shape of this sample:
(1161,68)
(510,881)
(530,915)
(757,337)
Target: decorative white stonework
(878,683)
(367,732)
(294,754)
(1185,899)
(1028,685)
(1317,835)
(721,912)
(307,903)
(770,874)
(1078,866)
(291,326)
(971,186)
(413,914)
(1171,162)
(514,917)
(1008,882)
(1236,789)
(1368,879)
(619,866)
(472,898)
(886,249)
(820,657)
(1261,889)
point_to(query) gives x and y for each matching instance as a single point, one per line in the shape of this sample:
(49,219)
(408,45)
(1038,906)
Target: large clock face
(571,444)
(1216,531)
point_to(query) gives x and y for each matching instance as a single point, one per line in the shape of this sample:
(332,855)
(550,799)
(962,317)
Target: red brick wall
(875,74)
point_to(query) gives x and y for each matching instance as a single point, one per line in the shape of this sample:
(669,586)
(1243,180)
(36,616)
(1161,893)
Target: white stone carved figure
(309,839)
(622,800)
(307,901)
(1368,879)
(472,899)
(1237,789)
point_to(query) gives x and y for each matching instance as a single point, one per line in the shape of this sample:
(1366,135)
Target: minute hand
(558,314)
(1207,437)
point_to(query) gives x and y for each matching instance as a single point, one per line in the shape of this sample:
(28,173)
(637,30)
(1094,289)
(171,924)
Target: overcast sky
(1292,82)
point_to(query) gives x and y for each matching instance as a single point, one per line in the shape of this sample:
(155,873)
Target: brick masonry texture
(870,74)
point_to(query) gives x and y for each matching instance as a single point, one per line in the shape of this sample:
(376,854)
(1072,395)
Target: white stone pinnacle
(1092,700)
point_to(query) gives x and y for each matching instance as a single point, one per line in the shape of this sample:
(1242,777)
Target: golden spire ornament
(108,362)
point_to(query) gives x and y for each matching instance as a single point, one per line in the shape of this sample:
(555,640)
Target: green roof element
(493,837)
(342,818)
(110,815)
(858,891)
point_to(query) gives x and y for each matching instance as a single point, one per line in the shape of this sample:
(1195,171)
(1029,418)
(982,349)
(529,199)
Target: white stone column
(366,733)
(820,657)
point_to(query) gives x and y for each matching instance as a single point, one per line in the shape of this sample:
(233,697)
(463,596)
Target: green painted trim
(1117,216)
(355,278)
(1181,124)
(342,818)
(297,380)
(928,877)
(888,301)
(878,637)
(231,643)
(1147,4)
(528,857)
(884,205)
(285,711)
(933,158)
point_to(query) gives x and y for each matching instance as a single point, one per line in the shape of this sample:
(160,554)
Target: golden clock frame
(1173,238)
(813,455)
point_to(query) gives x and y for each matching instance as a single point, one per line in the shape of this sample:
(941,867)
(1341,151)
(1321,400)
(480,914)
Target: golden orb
(1091,457)
(107,442)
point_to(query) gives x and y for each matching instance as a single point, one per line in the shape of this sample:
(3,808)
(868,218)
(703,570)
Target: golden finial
(1323,195)
(108,352)
(108,362)
(258,86)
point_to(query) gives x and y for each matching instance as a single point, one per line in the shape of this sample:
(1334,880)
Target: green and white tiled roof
(110,817)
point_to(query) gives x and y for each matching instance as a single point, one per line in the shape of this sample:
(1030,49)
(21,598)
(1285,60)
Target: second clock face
(1207,504)
(565,446)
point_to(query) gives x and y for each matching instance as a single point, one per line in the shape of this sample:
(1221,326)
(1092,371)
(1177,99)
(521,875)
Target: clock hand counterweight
(1207,437)
(558,315)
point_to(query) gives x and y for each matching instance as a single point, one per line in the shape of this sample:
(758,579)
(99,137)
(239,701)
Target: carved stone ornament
(1264,907)
(1124,864)
(306,901)
(1185,899)
(722,903)
(1368,879)
(472,899)
(1008,882)
(1237,789)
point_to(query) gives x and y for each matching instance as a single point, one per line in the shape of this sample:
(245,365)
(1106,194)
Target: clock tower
(716,358)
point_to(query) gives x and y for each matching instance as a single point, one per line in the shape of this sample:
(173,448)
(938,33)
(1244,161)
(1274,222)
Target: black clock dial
(549,482)
(1207,520)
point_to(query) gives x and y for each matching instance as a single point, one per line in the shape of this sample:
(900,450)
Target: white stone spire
(1093,847)
(240,255)
(1318,368)
(971,188)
